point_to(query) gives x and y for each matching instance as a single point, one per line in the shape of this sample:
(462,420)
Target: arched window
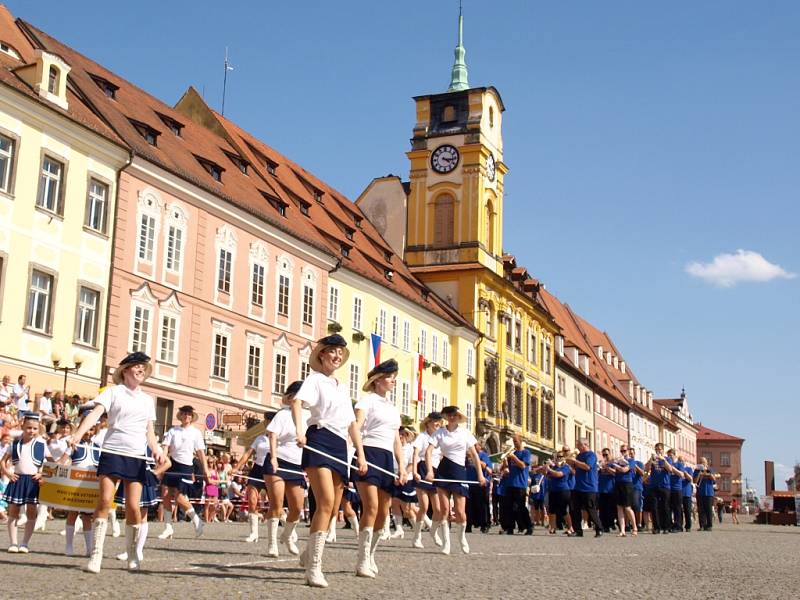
(443,221)
(490,385)
(490,321)
(52,80)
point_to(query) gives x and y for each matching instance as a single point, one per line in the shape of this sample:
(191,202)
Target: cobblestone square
(746,561)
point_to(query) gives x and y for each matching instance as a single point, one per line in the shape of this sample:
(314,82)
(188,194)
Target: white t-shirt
(46,406)
(408,454)
(100,436)
(58,447)
(22,397)
(128,415)
(454,444)
(260,446)
(328,402)
(421,443)
(5,393)
(26,463)
(282,426)
(182,443)
(381,421)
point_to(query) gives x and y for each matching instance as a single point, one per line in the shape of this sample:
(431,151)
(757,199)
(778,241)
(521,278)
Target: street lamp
(77,359)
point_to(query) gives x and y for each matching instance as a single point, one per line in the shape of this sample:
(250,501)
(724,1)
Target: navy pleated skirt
(380,458)
(149,497)
(290,473)
(22,491)
(122,467)
(328,442)
(451,470)
(179,477)
(256,477)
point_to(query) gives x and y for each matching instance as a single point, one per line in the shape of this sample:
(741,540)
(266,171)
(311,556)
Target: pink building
(210,277)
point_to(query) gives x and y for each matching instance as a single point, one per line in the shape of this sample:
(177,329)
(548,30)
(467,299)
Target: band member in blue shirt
(608,501)
(688,490)
(704,479)
(676,491)
(623,482)
(638,486)
(514,510)
(558,473)
(538,491)
(585,465)
(660,469)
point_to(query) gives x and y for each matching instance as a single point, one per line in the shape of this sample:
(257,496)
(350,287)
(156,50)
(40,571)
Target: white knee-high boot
(131,542)
(272,537)
(354,524)
(445,537)
(316,546)
(115,532)
(99,528)
(168,530)
(462,537)
(363,568)
(70,550)
(332,531)
(385,533)
(253,519)
(88,540)
(288,536)
(374,546)
(418,534)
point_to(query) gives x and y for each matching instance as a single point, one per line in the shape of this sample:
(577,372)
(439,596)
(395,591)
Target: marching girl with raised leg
(150,497)
(182,444)
(26,455)
(131,414)
(426,492)
(330,422)
(455,443)
(85,455)
(286,479)
(379,422)
(256,483)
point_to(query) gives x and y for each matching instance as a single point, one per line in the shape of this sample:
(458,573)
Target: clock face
(490,168)
(444,159)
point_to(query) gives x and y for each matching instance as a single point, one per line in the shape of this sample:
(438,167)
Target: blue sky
(641,138)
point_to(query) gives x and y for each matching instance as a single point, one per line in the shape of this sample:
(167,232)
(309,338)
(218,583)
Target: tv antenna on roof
(228,67)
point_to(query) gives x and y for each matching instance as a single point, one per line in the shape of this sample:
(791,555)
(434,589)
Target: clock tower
(455,194)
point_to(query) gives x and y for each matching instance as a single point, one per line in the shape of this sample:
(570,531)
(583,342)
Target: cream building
(58,179)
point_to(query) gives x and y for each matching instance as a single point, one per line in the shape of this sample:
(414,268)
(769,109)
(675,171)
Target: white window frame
(93,199)
(279,378)
(38,295)
(355,381)
(225,239)
(284,269)
(176,219)
(358,313)
(423,342)
(143,299)
(435,349)
(381,325)
(308,309)
(149,204)
(333,303)
(258,257)
(405,398)
(395,330)
(223,331)
(445,353)
(145,332)
(406,336)
(7,159)
(470,361)
(165,353)
(48,180)
(82,311)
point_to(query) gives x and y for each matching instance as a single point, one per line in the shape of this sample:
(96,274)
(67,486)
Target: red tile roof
(216,140)
(706,434)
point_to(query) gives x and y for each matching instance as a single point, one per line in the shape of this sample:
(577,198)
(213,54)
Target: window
(257,285)
(531,346)
(96,206)
(333,304)
(147,237)
(308,305)
(174,248)
(587,401)
(469,415)
(576,394)
(393,396)
(561,432)
(547,420)
(354,384)
(489,322)
(40,298)
(224,271)
(435,348)
(271,167)
(305,208)
(406,336)
(174,126)
(283,295)
(382,324)
(577,434)
(445,354)
(357,314)
(395,328)
(220,367)
(725,483)
(423,342)
(724,459)
(434,400)
(6,162)
(169,328)
(305,369)
(50,184)
(424,405)
(141,329)
(518,337)
(86,325)
(404,398)
(470,362)
(279,380)
(509,332)
(533,412)
(254,366)
(561,384)
(52,80)
(547,358)
(443,221)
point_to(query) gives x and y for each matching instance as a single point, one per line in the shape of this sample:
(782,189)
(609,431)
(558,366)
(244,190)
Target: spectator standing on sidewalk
(20,393)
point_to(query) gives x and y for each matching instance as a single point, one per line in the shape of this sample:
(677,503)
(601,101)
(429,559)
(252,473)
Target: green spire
(458,78)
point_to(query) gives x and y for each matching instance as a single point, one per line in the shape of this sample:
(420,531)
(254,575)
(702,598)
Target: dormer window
(357,221)
(109,89)
(276,203)
(349,233)
(388,273)
(271,167)
(345,251)
(149,134)
(176,127)
(52,80)
(318,195)
(213,168)
(387,256)
(6,49)
(305,208)
(240,163)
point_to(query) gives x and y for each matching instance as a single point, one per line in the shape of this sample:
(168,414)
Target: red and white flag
(420,368)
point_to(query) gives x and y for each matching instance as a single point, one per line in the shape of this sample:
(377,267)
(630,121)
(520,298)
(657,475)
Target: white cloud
(726,270)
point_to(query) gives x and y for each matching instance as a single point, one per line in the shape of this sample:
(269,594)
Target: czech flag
(375,355)
(420,367)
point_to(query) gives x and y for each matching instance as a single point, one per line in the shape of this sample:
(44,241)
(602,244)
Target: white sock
(143,529)
(191,513)
(12,531)
(88,538)
(70,538)
(167,517)
(112,515)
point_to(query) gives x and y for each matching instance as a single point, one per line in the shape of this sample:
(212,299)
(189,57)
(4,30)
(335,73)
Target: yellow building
(451,236)
(359,307)
(58,175)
